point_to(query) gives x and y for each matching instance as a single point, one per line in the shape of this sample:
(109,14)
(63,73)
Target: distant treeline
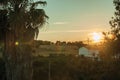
(62,43)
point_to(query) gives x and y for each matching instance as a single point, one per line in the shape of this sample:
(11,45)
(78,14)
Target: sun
(96,37)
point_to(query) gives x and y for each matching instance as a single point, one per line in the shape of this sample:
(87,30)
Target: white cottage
(88,53)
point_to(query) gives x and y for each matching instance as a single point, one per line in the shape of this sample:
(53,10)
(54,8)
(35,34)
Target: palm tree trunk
(18,59)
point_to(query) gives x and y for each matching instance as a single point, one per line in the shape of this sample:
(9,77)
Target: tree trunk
(18,59)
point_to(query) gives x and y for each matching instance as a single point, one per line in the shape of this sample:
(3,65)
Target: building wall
(88,53)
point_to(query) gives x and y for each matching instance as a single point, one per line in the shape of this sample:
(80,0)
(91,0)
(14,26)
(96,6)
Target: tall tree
(115,30)
(20,21)
(115,22)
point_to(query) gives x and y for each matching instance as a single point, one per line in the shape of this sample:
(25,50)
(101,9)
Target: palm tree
(20,21)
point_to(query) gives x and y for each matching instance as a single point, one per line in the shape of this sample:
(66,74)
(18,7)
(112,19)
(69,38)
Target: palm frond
(33,5)
(24,17)
(38,16)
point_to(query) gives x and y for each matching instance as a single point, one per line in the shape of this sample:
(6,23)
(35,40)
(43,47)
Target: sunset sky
(74,20)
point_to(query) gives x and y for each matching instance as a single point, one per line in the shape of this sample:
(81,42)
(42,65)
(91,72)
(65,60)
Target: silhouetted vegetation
(71,68)
(20,21)
(112,44)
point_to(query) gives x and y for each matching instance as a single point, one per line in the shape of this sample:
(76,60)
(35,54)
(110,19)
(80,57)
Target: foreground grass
(71,68)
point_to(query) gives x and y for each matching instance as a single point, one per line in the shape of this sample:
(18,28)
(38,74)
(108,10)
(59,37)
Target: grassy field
(46,50)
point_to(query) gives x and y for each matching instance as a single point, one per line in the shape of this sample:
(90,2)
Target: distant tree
(79,44)
(69,43)
(58,42)
(20,21)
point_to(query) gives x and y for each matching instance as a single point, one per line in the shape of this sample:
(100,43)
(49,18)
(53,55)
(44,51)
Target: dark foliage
(71,68)
(2,70)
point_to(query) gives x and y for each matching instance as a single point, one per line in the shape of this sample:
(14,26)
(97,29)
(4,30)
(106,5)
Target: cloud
(60,23)
(83,30)
(67,31)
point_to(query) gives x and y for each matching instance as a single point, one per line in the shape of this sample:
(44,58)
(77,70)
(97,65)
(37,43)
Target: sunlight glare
(96,37)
